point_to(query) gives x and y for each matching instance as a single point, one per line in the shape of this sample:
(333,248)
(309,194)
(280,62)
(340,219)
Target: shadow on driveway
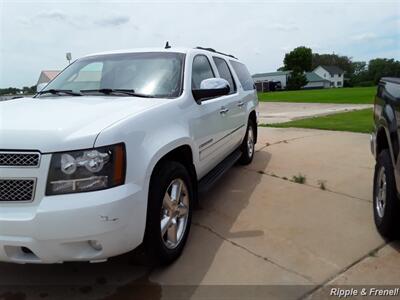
(127,276)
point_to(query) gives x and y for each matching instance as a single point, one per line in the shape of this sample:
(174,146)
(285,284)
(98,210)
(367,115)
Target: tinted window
(201,70)
(393,90)
(243,75)
(225,73)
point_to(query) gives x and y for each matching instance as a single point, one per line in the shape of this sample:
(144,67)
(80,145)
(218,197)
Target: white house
(279,76)
(332,73)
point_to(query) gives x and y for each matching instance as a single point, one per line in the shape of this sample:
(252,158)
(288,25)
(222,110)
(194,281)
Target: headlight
(86,170)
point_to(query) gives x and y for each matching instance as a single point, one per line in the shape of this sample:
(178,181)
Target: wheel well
(253,117)
(183,155)
(381,141)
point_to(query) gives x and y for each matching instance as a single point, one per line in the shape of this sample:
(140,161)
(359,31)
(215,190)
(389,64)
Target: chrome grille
(19,159)
(17,189)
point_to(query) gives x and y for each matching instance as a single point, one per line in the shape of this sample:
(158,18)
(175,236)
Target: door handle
(223,110)
(240,103)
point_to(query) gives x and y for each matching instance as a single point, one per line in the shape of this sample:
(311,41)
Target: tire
(248,144)
(174,216)
(385,202)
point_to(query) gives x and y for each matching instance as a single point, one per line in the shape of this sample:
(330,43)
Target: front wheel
(385,201)
(248,144)
(169,212)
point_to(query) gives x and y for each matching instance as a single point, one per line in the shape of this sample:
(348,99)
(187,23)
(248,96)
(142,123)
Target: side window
(225,73)
(244,76)
(201,70)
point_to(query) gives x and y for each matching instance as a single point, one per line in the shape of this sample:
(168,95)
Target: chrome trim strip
(206,143)
(225,136)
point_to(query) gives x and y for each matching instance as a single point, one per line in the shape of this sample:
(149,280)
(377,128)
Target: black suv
(385,147)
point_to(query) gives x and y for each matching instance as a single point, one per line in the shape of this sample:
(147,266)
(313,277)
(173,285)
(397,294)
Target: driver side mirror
(211,88)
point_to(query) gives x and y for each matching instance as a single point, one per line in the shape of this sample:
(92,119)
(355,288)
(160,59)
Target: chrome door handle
(240,103)
(223,110)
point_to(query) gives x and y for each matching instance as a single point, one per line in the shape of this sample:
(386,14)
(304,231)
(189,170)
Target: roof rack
(213,50)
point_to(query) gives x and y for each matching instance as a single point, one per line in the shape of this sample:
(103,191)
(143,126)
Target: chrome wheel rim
(250,141)
(174,213)
(380,201)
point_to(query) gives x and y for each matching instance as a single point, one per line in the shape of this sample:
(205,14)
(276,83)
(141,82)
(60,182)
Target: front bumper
(59,228)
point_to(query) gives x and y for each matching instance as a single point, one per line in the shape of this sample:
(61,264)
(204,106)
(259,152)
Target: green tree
(383,67)
(298,60)
(296,81)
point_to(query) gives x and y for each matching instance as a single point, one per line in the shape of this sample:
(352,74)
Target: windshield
(155,74)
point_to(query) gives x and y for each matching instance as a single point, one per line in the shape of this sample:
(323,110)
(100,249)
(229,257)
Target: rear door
(235,107)
(247,94)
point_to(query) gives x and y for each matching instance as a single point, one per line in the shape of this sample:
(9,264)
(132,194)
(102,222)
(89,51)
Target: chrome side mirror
(211,88)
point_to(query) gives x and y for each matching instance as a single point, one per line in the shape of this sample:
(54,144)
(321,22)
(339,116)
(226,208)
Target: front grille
(17,189)
(9,159)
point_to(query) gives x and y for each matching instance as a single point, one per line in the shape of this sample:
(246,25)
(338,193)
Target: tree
(359,67)
(299,60)
(381,67)
(343,62)
(296,81)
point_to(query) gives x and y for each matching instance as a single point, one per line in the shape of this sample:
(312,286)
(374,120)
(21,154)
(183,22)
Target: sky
(35,35)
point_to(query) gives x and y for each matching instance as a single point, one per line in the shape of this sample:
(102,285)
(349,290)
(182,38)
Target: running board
(212,177)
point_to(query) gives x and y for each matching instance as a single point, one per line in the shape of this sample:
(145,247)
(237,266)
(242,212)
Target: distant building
(316,82)
(334,74)
(322,77)
(47,76)
(279,76)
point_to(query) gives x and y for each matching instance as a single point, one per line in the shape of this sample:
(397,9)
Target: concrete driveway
(256,235)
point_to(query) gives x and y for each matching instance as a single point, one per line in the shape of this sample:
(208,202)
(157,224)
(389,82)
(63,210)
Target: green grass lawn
(356,95)
(355,121)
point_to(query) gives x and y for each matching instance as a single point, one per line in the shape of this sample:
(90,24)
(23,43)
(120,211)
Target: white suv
(113,152)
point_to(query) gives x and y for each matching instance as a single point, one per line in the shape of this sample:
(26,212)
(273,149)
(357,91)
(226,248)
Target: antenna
(167,46)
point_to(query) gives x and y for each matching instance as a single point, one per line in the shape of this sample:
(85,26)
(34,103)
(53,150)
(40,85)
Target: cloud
(45,17)
(52,15)
(364,37)
(283,27)
(112,21)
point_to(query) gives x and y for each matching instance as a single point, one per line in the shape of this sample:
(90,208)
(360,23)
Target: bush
(365,83)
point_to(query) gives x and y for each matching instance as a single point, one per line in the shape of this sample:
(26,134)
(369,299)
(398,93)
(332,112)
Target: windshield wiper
(129,92)
(57,92)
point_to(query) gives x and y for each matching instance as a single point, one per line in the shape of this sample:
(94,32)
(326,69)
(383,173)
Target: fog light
(96,245)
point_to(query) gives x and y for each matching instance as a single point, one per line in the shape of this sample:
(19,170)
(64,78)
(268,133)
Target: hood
(63,123)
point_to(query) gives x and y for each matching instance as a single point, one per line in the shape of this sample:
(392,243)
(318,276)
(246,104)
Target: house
(279,76)
(322,77)
(47,76)
(332,73)
(316,82)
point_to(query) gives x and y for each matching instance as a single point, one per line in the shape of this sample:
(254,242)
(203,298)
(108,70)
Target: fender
(165,149)
(388,122)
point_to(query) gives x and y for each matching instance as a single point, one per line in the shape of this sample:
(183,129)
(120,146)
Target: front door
(210,120)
